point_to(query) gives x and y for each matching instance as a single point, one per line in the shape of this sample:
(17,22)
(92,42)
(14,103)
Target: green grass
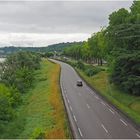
(42,110)
(129,104)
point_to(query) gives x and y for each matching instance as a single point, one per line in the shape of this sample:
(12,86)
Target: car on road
(79,83)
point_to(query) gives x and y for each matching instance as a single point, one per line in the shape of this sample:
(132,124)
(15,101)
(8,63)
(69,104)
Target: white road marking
(70,108)
(103,103)
(111,111)
(138,135)
(88,106)
(74,118)
(96,97)
(123,122)
(80,132)
(68,101)
(104,128)
(65,91)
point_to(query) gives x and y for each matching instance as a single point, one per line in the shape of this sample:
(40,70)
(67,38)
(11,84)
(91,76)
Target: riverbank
(41,114)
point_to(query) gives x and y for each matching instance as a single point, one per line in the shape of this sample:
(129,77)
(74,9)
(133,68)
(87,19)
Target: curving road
(89,115)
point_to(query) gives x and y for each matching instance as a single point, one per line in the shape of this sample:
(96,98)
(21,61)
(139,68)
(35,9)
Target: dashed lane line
(104,128)
(70,108)
(74,118)
(103,103)
(138,135)
(111,111)
(80,132)
(123,122)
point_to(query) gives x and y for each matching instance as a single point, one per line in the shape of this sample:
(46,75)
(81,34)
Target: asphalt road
(90,116)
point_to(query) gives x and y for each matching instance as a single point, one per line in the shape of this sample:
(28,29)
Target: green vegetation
(99,80)
(41,113)
(118,45)
(88,69)
(50,48)
(127,103)
(16,76)
(17,70)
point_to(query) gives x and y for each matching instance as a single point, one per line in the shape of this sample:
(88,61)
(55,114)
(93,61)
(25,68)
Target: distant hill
(51,48)
(61,46)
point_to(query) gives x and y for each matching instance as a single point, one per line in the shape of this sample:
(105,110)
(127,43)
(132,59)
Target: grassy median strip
(41,114)
(127,103)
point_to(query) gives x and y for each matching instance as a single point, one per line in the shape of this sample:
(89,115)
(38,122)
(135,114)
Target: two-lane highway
(92,117)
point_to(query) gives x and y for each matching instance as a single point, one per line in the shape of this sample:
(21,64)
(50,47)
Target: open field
(41,114)
(127,103)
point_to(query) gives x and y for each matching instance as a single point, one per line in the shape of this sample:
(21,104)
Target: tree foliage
(17,70)
(119,45)
(16,76)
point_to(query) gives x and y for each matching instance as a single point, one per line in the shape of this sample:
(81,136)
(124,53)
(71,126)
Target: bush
(37,134)
(72,63)
(23,79)
(6,101)
(16,97)
(80,65)
(48,54)
(90,70)
(17,70)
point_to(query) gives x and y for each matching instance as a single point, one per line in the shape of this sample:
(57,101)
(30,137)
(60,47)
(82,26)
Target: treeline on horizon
(119,45)
(50,48)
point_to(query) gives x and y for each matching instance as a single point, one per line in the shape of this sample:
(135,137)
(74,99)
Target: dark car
(79,83)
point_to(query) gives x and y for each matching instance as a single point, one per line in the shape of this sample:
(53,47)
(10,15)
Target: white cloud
(39,23)
(35,39)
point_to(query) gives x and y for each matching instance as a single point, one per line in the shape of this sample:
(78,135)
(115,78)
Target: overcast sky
(40,23)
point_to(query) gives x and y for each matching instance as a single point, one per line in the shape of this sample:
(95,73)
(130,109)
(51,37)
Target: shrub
(90,70)
(6,101)
(80,65)
(16,97)
(37,134)
(23,79)
(17,70)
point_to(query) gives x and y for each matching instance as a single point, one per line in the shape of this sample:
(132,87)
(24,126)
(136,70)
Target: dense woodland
(119,45)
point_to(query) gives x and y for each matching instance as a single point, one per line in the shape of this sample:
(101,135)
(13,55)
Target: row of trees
(119,45)
(16,76)
(91,51)
(123,38)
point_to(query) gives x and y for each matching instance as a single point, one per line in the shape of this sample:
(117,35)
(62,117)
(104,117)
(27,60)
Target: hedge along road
(91,117)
